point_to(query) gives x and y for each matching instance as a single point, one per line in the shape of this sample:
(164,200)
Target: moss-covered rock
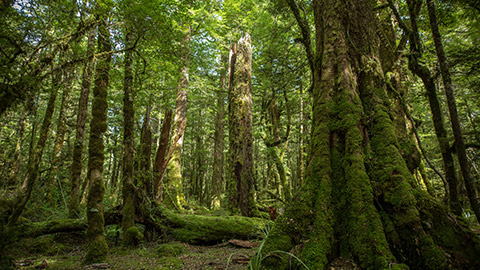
(133,236)
(172,249)
(170,263)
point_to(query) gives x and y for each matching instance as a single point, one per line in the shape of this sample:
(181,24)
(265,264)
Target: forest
(239,134)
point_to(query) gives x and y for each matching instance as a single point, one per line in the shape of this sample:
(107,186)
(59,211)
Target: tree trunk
(452,108)
(437,116)
(25,191)
(173,194)
(97,246)
(144,173)
(76,167)
(360,199)
(59,140)
(219,143)
(240,156)
(160,163)
(128,188)
(12,176)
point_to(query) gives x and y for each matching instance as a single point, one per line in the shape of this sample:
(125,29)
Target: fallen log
(189,228)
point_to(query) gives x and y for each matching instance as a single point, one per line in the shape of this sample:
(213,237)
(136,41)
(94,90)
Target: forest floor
(66,251)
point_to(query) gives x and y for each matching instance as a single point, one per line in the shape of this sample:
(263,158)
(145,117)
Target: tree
(173,194)
(240,155)
(359,197)
(82,111)
(97,246)
(452,109)
(128,188)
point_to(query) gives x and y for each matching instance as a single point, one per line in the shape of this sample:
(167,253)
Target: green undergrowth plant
(257,259)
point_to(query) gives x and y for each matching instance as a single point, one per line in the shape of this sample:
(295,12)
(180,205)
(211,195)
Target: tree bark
(452,108)
(360,199)
(240,156)
(59,140)
(144,173)
(97,246)
(437,116)
(173,196)
(159,167)
(128,187)
(76,167)
(25,191)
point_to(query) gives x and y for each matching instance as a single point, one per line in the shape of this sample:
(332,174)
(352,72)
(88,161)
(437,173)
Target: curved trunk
(360,200)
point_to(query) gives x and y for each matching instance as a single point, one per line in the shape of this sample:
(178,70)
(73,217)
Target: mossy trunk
(219,140)
(160,164)
(59,139)
(25,191)
(173,196)
(97,246)
(360,199)
(76,167)
(240,155)
(128,188)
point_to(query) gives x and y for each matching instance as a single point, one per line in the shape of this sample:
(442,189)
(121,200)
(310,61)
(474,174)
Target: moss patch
(173,249)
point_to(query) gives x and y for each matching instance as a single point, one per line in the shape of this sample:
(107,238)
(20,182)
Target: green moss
(133,236)
(97,251)
(170,249)
(170,263)
(209,229)
(44,245)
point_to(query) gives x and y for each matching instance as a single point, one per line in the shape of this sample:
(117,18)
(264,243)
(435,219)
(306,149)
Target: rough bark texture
(160,164)
(360,199)
(219,147)
(173,195)
(452,108)
(128,188)
(240,156)
(76,167)
(97,246)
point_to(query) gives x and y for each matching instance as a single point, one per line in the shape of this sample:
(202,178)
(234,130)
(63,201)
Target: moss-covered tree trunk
(219,140)
(59,139)
(25,191)
(76,167)
(160,164)
(128,188)
(360,199)
(240,155)
(173,196)
(97,246)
